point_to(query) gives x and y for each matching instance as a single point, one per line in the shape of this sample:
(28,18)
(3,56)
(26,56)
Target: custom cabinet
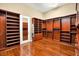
(2,31)
(37,29)
(44,28)
(9,29)
(68,29)
(59,29)
(49,28)
(12,29)
(56,29)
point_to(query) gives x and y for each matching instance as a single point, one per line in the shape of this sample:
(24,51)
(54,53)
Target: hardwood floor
(44,47)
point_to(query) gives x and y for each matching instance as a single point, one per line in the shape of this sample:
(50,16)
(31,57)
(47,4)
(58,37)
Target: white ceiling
(44,7)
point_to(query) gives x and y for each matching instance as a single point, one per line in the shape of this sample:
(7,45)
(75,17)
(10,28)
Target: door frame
(21,29)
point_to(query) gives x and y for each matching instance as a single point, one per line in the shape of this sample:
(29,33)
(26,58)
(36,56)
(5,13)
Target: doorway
(25,29)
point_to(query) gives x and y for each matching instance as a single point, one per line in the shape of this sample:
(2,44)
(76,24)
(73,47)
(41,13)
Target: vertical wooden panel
(57,23)
(37,29)
(65,29)
(56,29)
(66,24)
(49,28)
(2,32)
(49,25)
(77,35)
(44,28)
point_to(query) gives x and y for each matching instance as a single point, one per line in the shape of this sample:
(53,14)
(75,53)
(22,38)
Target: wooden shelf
(13,33)
(13,43)
(65,40)
(12,24)
(12,20)
(13,27)
(12,40)
(11,17)
(10,28)
(12,36)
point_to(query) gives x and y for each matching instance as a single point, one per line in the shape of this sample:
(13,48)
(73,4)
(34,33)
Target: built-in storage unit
(44,28)
(9,29)
(56,29)
(2,29)
(65,29)
(68,28)
(60,29)
(49,28)
(73,28)
(37,29)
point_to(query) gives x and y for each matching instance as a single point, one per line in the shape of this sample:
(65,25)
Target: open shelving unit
(37,29)
(73,29)
(44,28)
(12,28)
(68,29)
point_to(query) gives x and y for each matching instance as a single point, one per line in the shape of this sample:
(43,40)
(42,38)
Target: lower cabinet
(56,35)
(38,37)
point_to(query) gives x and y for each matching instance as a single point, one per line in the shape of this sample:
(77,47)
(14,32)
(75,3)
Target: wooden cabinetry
(77,35)
(12,29)
(68,28)
(65,29)
(2,31)
(49,28)
(9,28)
(56,29)
(37,29)
(59,29)
(73,29)
(44,28)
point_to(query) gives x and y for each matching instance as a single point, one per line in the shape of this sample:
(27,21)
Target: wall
(22,9)
(64,10)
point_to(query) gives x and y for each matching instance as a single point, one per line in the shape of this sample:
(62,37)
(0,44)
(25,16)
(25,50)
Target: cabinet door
(2,31)
(66,24)
(57,24)
(56,30)
(37,37)
(49,25)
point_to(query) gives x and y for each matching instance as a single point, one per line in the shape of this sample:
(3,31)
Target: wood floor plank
(43,47)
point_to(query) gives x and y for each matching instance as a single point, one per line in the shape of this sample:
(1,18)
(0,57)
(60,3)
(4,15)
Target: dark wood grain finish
(49,24)
(37,28)
(56,29)
(2,31)
(66,24)
(9,29)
